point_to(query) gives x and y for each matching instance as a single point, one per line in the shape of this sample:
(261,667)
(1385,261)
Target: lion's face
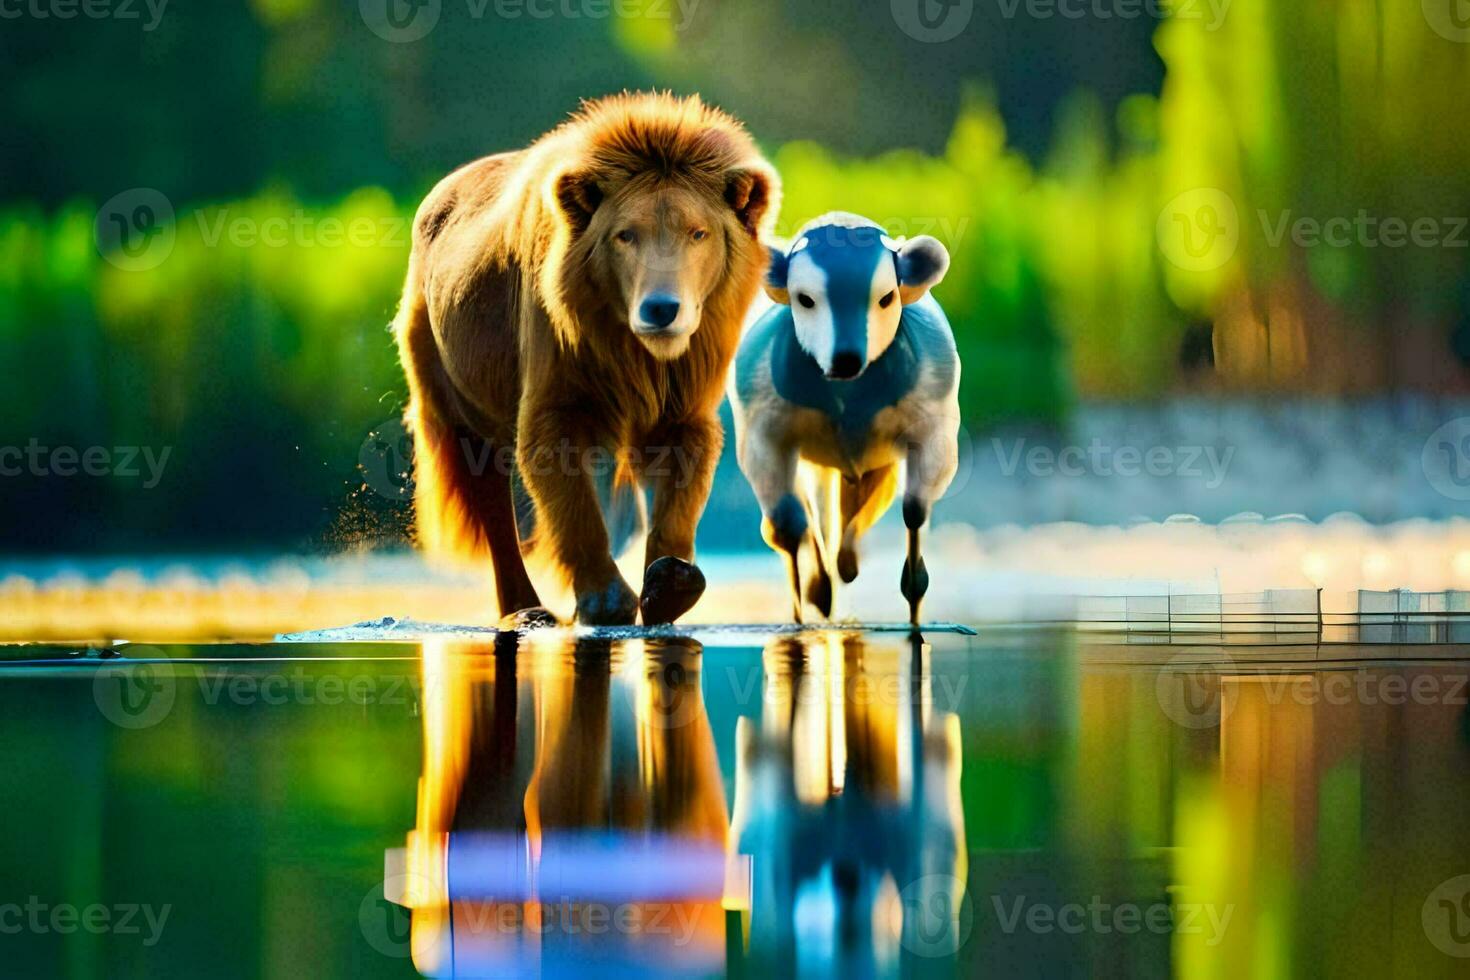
(661,248)
(664,248)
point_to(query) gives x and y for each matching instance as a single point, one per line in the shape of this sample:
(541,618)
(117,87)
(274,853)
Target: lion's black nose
(659,311)
(846,365)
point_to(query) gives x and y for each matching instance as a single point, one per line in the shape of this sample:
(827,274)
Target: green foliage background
(1044,165)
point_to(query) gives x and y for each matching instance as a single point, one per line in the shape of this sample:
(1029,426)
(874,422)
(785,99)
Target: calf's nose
(659,310)
(846,365)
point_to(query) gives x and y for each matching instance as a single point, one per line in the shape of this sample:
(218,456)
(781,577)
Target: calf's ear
(922,263)
(578,195)
(749,193)
(776,276)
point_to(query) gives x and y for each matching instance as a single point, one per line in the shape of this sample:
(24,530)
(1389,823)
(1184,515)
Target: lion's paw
(671,587)
(534,618)
(615,605)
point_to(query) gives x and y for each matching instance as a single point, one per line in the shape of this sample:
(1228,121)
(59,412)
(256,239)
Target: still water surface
(1019,803)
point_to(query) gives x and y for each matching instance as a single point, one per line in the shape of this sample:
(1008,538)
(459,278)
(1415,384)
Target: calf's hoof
(613,605)
(819,593)
(671,587)
(533,618)
(847,565)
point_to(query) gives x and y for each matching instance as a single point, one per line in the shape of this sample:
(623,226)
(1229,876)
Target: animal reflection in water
(572,814)
(847,821)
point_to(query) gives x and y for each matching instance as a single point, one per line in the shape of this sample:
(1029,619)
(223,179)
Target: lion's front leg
(679,469)
(553,446)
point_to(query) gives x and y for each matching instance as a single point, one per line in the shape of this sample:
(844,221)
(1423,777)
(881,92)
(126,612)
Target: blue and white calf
(850,377)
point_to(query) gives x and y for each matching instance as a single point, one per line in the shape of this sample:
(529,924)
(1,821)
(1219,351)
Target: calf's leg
(864,501)
(933,456)
(770,467)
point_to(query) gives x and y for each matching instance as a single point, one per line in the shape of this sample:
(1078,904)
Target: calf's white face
(847,287)
(841,324)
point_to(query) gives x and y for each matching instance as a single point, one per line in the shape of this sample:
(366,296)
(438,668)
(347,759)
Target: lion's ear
(579,196)
(748,192)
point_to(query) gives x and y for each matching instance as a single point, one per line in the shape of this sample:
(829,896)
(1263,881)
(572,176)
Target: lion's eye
(699,234)
(887,300)
(627,236)
(805,300)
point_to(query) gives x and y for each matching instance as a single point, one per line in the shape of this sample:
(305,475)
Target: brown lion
(569,316)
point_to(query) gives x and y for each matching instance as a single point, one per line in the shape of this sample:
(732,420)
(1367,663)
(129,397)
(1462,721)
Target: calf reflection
(570,815)
(847,840)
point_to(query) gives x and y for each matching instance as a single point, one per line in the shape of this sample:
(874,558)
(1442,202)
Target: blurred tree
(1325,127)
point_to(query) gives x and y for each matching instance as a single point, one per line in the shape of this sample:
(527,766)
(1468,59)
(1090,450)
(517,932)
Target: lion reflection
(570,813)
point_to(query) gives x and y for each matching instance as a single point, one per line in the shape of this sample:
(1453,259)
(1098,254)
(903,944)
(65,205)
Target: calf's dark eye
(887,299)
(805,300)
(627,236)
